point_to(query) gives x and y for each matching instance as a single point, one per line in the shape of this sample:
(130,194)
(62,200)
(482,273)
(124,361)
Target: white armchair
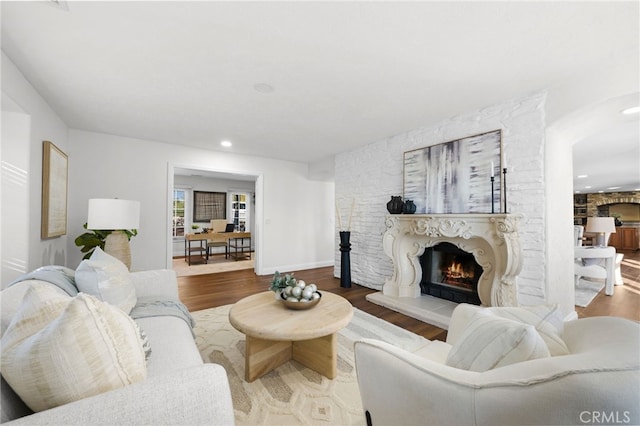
(578,235)
(599,376)
(596,263)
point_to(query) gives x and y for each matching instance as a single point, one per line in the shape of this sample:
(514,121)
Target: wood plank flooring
(625,301)
(211,290)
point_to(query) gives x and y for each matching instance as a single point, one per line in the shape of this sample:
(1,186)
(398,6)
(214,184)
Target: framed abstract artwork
(456,176)
(54,191)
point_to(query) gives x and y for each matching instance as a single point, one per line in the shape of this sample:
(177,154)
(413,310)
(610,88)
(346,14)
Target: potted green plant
(95,238)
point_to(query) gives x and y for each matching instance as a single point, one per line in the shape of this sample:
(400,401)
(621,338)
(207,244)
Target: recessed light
(587,187)
(632,110)
(582,176)
(578,192)
(226,144)
(614,187)
(263,88)
(600,192)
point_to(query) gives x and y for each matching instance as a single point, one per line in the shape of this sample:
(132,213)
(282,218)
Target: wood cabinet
(625,238)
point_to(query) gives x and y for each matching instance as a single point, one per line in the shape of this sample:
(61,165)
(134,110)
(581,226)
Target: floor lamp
(600,226)
(116,215)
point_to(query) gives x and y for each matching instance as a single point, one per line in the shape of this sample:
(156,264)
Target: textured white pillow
(61,350)
(547,320)
(490,342)
(108,279)
(45,303)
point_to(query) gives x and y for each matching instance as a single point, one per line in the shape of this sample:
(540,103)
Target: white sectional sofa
(595,380)
(179,389)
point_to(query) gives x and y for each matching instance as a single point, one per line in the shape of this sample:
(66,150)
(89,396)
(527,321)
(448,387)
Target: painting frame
(209,205)
(454,177)
(54,191)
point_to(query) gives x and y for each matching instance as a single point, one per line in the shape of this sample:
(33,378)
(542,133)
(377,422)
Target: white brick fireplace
(369,176)
(492,239)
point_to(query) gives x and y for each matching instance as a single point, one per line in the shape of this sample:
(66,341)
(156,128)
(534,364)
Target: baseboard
(298,267)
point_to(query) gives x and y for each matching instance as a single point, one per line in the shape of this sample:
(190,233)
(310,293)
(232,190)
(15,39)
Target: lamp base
(600,240)
(117,245)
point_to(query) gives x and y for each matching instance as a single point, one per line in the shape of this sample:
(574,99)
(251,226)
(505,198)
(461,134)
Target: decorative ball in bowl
(298,295)
(293,293)
(300,304)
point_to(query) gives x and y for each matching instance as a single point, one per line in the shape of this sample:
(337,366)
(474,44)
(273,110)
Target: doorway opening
(239,213)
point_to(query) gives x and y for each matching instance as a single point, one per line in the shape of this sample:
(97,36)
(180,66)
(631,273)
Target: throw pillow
(548,321)
(88,347)
(108,279)
(490,342)
(146,346)
(40,304)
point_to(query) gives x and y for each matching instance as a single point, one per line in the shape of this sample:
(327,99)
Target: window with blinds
(209,205)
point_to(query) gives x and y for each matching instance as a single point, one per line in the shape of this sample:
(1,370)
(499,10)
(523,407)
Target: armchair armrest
(192,396)
(398,387)
(591,252)
(159,282)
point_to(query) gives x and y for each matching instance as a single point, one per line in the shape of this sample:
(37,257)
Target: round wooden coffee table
(276,334)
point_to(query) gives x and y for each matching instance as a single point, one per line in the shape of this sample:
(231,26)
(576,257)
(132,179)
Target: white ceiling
(343,73)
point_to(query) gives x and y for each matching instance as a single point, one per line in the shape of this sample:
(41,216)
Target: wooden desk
(199,242)
(197,251)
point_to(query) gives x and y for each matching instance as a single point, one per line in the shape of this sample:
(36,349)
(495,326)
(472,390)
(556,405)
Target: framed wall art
(455,176)
(54,191)
(209,205)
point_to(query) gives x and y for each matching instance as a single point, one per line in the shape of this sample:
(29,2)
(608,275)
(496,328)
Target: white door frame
(258,217)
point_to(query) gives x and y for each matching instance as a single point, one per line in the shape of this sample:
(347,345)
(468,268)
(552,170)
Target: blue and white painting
(455,177)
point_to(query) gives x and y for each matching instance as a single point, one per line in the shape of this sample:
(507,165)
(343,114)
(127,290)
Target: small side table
(275,334)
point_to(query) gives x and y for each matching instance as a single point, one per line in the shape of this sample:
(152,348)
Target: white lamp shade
(112,213)
(600,225)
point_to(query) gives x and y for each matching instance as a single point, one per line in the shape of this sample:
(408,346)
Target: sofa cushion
(61,349)
(547,320)
(490,342)
(108,279)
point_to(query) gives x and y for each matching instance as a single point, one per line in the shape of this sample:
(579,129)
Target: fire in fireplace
(450,273)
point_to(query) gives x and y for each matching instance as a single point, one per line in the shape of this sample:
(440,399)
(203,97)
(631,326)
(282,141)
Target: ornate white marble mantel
(492,239)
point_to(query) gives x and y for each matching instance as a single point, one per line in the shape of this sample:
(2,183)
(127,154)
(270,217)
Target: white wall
(294,215)
(373,174)
(44,124)
(574,109)
(16,131)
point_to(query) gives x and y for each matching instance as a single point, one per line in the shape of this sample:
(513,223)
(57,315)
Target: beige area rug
(586,291)
(215,264)
(293,394)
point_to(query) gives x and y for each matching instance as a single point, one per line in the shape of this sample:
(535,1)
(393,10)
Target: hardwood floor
(625,301)
(211,290)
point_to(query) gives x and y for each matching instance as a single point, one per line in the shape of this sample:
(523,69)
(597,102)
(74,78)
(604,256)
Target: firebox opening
(450,273)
